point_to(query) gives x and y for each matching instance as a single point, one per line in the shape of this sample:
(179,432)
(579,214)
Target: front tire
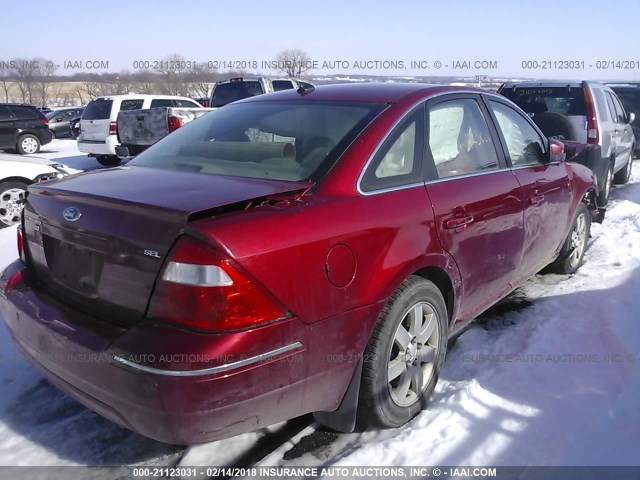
(572,253)
(12,194)
(28,145)
(404,355)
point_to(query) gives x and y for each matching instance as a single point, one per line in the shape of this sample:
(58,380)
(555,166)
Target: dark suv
(629,95)
(23,128)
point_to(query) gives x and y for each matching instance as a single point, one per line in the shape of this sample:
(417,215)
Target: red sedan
(304,251)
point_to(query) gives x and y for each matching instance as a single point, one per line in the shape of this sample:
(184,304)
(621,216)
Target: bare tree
(172,70)
(5,75)
(25,72)
(200,79)
(294,62)
(43,71)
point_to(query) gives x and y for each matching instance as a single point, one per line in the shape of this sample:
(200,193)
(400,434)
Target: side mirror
(631,117)
(556,151)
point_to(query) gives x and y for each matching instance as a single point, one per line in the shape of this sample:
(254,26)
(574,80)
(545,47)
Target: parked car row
(311,250)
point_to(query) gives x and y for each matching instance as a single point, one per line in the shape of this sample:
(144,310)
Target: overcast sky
(505,32)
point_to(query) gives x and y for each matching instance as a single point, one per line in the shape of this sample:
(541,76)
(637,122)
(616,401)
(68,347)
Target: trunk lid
(99,239)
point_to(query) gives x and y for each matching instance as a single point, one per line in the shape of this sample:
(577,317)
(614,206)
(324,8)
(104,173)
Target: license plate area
(76,267)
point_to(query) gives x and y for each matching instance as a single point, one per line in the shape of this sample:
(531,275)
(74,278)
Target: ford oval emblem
(71,214)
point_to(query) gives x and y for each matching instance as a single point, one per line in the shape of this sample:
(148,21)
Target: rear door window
(619,108)
(98,109)
(186,104)
(133,104)
(159,102)
(6,114)
(602,105)
(24,113)
(459,139)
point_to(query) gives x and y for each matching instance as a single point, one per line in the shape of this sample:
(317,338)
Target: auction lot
(546,377)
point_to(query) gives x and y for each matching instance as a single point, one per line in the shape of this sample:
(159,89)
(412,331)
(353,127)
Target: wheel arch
(16,179)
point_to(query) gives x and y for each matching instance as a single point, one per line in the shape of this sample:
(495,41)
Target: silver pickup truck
(139,129)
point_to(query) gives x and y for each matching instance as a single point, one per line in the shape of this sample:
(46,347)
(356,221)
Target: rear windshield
(277,140)
(224,93)
(565,100)
(98,109)
(630,99)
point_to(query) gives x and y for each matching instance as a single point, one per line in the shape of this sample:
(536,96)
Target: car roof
(17,105)
(362,92)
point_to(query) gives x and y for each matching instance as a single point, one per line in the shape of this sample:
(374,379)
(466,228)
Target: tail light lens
(113,128)
(200,289)
(45,121)
(20,239)
(593,133)
(173,123)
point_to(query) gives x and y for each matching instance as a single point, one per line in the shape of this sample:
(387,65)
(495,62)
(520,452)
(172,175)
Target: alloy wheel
(11,202)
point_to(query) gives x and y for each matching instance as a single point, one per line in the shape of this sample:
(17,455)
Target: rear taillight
(45,121)
(173,123)
(113,128)
(20,239)
(199,288)
(593,133)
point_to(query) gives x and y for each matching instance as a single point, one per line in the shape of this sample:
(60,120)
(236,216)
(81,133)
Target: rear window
(26,113)
(279,85)
(98,109)
(131,104)
(224,93)
(186,104)
(276,140)
(565,100)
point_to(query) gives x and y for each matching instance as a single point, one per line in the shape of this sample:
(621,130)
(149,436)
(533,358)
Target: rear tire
(10,210)
(555,124)
(572,253)
(623,176)
(28,144)
(404,355)
(603,195)
(108,160)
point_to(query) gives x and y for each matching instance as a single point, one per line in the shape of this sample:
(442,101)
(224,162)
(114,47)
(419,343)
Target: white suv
(98,126)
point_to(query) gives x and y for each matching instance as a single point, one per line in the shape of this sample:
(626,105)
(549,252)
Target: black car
(629,95)
(23,128)
(59,120)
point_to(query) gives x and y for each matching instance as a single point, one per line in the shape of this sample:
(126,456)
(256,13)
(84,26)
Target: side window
(524,144)
(24,113)
(612,108)
(602,105)
(399,161)
(622,118)
(186,104)
(131,104)
(160,102)
(5,113)
(282,85)
(459,139)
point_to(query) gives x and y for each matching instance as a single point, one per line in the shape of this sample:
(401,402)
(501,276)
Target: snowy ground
(549,378)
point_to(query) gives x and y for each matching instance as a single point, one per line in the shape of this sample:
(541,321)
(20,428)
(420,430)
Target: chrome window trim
(393,127)
(208,371)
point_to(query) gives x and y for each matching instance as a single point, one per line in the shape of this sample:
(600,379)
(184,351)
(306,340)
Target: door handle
(537,199)
(458,221)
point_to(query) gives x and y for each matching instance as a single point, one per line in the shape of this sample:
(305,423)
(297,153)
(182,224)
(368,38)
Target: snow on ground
(554,383)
